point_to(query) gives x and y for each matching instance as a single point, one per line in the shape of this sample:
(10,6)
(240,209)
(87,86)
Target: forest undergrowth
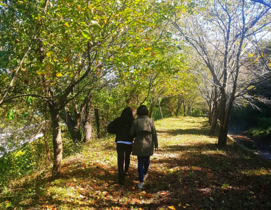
(188,172)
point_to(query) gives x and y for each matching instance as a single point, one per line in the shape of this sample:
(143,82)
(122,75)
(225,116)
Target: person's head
(142,110)
(127,112)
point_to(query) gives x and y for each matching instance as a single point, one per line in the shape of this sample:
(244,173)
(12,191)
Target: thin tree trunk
(87,121)
(223,129)
(73,125)
(87,131)
(178,105)
(214,121)
(160,108)
(190,110)
(210,112)
(78,136)
(97,119)
(57,140)
(45,133)
(184,109)
(214,113)
(151,108)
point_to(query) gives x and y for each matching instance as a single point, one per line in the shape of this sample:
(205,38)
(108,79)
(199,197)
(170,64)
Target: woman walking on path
(121,127)
(145,140)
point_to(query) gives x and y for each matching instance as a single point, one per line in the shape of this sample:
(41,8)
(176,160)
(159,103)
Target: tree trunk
(73,125)
(160,108)
(45,132)
(178,105)
(210,112)
(223,129)
(214,114)
(87,131)
(190,110)
(97,119)
(214,121)
(184,109)
(77,131)
(87,121)
(223,132)
(151,108)
(57,140)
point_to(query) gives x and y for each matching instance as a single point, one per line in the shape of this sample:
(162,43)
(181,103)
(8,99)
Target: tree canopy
(75,61)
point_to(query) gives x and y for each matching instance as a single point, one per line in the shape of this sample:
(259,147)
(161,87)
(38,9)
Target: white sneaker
(140,185)
(145,177)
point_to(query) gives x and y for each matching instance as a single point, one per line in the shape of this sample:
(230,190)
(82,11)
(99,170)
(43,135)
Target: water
(10,141)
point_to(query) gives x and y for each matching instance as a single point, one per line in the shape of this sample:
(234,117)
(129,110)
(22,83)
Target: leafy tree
(62,49)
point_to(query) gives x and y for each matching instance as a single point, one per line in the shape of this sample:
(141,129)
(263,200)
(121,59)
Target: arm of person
(112,127)
(154,136)
(132,130)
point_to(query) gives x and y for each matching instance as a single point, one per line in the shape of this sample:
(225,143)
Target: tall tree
(220,32)
(63,48)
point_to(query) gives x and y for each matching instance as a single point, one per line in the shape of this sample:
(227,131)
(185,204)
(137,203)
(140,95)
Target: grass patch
(262,129)
(189,172)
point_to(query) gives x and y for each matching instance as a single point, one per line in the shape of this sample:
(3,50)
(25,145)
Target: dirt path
(188,173)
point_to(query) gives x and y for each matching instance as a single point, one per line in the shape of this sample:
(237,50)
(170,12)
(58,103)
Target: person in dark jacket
(145,140)
(121,127)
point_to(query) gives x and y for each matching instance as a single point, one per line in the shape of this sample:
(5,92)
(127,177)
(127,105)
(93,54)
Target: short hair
(142,110)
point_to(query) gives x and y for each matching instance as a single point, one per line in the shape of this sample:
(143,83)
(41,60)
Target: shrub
(262,129)
(197,113)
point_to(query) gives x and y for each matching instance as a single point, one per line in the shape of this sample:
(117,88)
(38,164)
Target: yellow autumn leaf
(147,48)
(39,72)
(105,21)
(49,54)
(67,24)
(59,75)
(171,207)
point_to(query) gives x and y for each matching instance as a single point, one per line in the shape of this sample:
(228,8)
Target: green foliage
(262,129)
(157,114)
(22,161)
(197,113)
(29,158)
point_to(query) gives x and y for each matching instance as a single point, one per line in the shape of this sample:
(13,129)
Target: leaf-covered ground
(189,172)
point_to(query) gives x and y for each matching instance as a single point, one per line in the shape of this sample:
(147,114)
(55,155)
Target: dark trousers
(124,152)
(143,166)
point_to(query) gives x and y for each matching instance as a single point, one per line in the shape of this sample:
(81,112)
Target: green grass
(262,129)
(189,172)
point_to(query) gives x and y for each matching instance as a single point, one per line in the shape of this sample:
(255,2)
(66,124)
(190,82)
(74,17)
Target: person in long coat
(145,140)
(121,127)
